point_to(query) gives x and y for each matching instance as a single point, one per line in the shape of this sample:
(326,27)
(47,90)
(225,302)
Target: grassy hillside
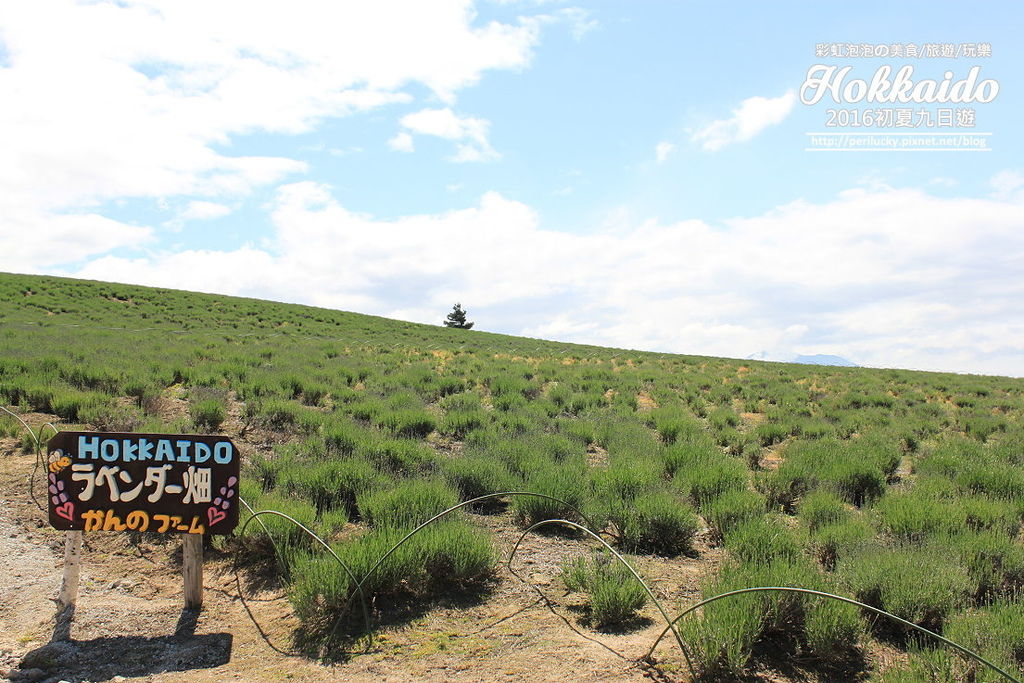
(902,489)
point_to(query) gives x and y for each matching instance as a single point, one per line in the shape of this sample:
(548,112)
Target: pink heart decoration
(67,511)
(215,515)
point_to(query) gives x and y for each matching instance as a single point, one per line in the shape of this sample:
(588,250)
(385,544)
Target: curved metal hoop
(668,620)
(463,504)
(326,546)
(38,453)
(790,589)
(50,425)
(23,424)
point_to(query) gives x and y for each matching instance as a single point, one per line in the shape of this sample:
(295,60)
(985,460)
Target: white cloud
(752,116)
(444,124)
(882,276)
(31,240)
(344,151)
(580,21)
(402,142)
(662,150)
(202,211)
(1008,185)
(796,331)
(469,133)
(142,99)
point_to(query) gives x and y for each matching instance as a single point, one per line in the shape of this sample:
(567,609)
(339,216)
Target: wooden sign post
(72,569)
(192,570)
(163,483)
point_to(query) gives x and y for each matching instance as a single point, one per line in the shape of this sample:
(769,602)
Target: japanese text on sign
(143,482)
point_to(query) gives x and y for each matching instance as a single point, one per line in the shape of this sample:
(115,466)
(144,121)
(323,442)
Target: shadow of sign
(104,658)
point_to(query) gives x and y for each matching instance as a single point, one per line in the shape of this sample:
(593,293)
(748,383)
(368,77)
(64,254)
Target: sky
(631,174)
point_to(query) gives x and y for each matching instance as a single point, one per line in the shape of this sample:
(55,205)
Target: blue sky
(629,174)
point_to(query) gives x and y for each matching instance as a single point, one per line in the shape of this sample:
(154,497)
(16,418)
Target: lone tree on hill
(457,318)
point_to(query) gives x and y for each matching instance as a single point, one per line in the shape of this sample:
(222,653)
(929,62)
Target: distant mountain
(824,359)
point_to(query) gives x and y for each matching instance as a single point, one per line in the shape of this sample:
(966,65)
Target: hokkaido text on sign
(143,482)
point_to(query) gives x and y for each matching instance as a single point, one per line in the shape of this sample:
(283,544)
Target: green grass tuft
(614,596)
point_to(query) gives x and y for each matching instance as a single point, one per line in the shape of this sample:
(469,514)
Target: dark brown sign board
(166,483)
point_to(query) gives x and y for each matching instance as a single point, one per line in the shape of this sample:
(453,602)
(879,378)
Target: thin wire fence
(587,530)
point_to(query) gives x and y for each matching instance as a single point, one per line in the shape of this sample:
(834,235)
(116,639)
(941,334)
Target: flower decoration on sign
(61,505)
(221,503)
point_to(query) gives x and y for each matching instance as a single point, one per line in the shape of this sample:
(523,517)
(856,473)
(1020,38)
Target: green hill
(902,489)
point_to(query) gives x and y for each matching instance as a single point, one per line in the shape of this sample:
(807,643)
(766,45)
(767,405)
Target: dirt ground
(129,623)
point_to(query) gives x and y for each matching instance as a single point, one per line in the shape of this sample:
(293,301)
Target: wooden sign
(164,483)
